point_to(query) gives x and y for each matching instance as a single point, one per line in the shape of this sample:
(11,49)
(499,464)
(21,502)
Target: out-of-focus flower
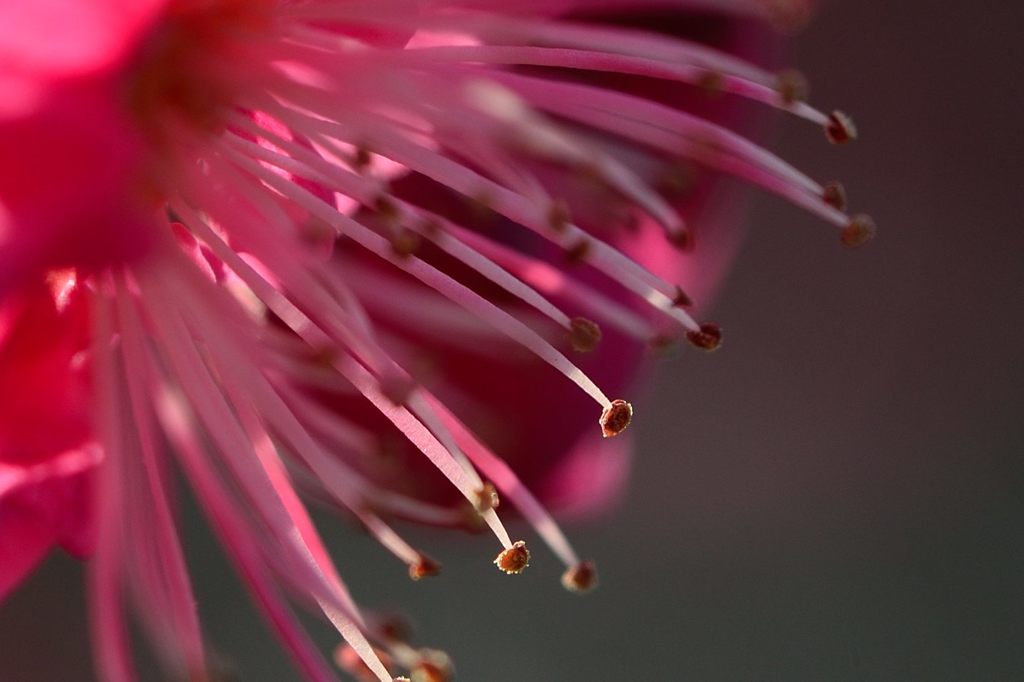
(315,243)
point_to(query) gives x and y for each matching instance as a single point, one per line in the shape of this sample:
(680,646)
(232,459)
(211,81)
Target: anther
(792,86)
(405,243)
(681,299)
(835,195)
(559,215)
(434,666)
(859,231)
(677,180)
(346,658)
(513,560)
(362,159)
(711,82)
(486,498)
(578,252)
(425,567)
(840,128)
(615,418)
(386,207)
(396,628)
(580,578)
(397,389)
(584,335)
(708,337)
(682,239)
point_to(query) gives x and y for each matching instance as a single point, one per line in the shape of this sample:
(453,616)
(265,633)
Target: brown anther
(486,498)
(316,231)
(396,628)
(792,86)
(708,337)
(584,335)
(513,560)
(860,230)
(481,206)
(578,252)
(431,228)
(405,243)
(677,180)
(835,195)
(580,578)
(615,418)
(840,128)
(433,666)
(362,159)
(681,299)
(397,389)
(711,82)
(559,215)
(346,658)
(425,567)
(682,239)
(427,672)
(385,205)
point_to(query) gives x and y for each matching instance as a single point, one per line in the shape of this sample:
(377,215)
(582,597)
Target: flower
(239,228)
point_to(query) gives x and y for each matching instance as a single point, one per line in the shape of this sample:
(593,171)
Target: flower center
(185,75)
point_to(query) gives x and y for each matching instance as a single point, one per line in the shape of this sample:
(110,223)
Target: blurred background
(835,495)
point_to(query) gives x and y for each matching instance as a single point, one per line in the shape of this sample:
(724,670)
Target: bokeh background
(837,494)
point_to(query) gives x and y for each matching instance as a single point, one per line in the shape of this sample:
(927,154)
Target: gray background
(836,495)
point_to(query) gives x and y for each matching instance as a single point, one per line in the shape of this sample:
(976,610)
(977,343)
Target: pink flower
(317,244)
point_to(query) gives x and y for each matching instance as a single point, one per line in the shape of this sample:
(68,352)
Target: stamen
(580,578)
(615,418)
(840,128)
(424,568)
(584,335)
(487,498)
(859,231)
(835,195)
(709,337)
(513,560)
(792,86)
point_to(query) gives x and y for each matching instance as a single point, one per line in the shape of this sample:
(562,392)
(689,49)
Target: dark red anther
(682,239)
(578,252)
(681,299)
(708,337)
(835,195)
(559,215)
(405,243)
(425,567)
(584,335)
(792,86)
(397,389)
(513,560)
(580,578)
(712,83)
(615,418)
(860,230)
(840,128)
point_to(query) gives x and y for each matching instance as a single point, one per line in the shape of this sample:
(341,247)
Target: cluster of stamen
(292,168)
